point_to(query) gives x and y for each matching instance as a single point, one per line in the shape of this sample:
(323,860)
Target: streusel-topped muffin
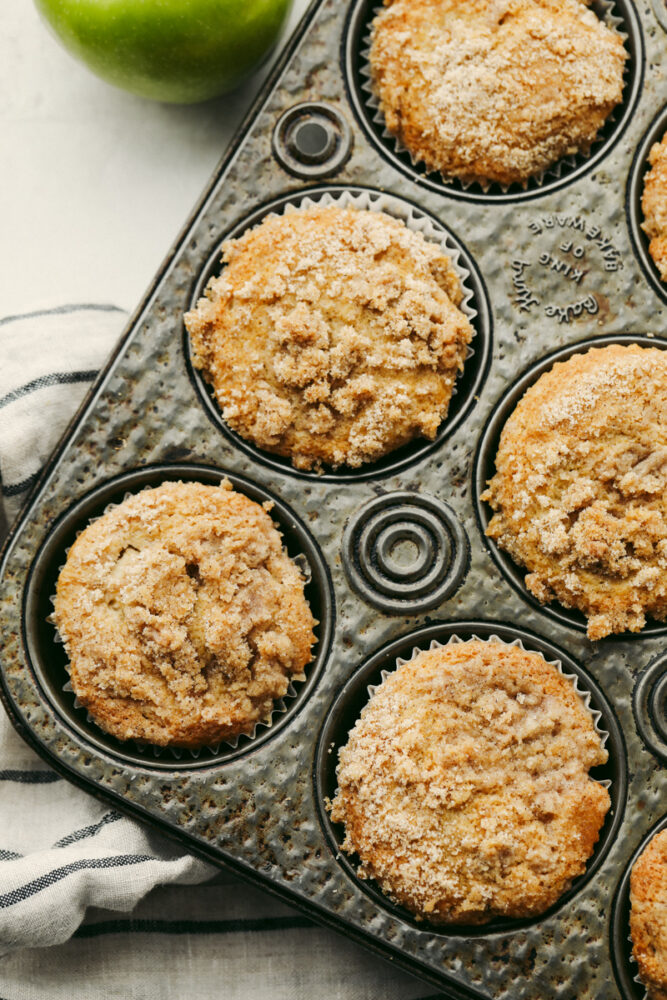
(183,616)
(332,336)
(654,205)
(648,916)
(464,785)
(580,489)
(495,90)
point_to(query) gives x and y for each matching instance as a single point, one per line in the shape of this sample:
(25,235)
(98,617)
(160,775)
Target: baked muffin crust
(648,916)
(182,615)
(333,336)
(494,90)
(580,494)
(654,205)
(464,784)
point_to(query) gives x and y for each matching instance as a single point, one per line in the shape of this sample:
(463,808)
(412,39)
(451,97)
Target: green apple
(179,51)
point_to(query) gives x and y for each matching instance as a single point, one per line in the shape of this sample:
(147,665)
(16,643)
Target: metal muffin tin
(396,551)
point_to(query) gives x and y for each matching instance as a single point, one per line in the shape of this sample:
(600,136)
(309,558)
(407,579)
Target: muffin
(182,615)
(654,206)
(464,786)
(351,333)
(648,916)
(579,492)
(494,90)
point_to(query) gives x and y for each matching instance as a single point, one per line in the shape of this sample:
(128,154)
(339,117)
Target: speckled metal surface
(559,268)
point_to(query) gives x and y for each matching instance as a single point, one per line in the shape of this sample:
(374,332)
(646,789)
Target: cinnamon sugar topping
(332,336)
(580,491)
(494,90)
(464,785)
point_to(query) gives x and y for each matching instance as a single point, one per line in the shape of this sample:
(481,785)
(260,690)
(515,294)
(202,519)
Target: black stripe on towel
(135,926)
(45,381)
(16,488)
(88,831)
(59,311)
(30,777)
(24,892)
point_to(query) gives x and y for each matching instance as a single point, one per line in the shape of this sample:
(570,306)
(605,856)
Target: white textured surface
(94,183)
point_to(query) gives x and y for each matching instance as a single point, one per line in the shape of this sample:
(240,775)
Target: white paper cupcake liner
(636,978)
(583,694)
(280,705)
(605,12)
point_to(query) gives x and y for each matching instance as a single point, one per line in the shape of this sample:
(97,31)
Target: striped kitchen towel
(117,903)
(60,850)
(48,360)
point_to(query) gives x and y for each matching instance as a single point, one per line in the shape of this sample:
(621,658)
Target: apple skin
(178,51)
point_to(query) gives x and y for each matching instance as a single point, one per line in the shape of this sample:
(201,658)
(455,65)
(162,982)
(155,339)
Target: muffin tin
(395,552)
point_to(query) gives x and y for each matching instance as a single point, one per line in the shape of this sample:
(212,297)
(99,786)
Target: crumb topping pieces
(654,206)
(182,615)
(580,491)
(648,916)
(495,90)
(464,785)
(350,330)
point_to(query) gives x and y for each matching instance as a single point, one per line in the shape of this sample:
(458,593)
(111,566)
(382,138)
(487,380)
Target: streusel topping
(183,616)
(332,336)
(580,490)
(464,786)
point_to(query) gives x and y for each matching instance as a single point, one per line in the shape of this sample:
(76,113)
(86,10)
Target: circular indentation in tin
(620,945)
(47,656)
(475,305)
(633,201)
(617,13)
(649,703)
(346,709)
(312,139)
(405,552)
(484,469)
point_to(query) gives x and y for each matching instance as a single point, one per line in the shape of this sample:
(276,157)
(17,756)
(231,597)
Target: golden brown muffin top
(464,785)
(654,205)
(494,90)
(648,916)
(333,336)
(580,487)
(182,615)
